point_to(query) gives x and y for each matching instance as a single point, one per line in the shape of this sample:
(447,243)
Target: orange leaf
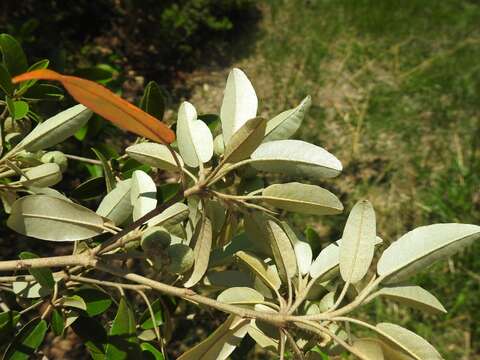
(106,104)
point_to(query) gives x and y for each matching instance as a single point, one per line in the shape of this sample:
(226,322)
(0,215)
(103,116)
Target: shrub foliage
(190,215)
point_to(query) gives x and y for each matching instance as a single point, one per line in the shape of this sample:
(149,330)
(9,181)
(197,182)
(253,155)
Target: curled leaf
(239,103)
(195,141)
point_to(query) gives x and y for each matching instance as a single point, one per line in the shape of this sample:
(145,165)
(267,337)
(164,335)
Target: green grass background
(396,94)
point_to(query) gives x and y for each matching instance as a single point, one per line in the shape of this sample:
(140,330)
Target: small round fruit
(56,157)
(181,258)
(155,239)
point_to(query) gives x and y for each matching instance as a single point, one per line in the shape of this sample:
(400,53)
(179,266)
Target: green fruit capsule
(56,157)
(155,239)
(181,258)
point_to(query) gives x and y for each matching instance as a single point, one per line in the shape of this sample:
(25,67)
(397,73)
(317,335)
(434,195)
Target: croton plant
(187,216)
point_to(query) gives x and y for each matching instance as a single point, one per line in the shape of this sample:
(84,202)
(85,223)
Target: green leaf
(421,247)
(263,340)
(8,322)
(244,141)
(239,103)
(122,340)
(107,170)
(259,268)
(42,176)
(240,296)
(296,158)
(21,109)
(302,198)
(58,324)
(407,341)
(370,348)
(154,155)
(153,101)
(27,341)
(195,141)
(358,242)
(287,123)
(42,275)
(302,249)
(5,81)
(150,352)
(75,301)
(143,194)
(282,251)
(48,218)
(146,321)
(56,129)
(413,296)
(41,64)
(93,336)
(30,289)
(13,56)
(326,262)
(202,238)
(97,301)
(116,205)
(90,189)
(221,343)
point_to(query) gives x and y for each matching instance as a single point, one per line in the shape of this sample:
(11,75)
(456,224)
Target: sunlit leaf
(116,205)
(358,242)
(296,158)
(245,140)
(143,194)
(30,289)
(240,296)
(370,348)
(202,238)
(195,141)
(302,198)
(56,129)
(408,341)
(44,175)
(172,215)
(155,155)
(282,251)
(48,218)
(421,247)
(221,343)
(302,249)
(413,296)
(239,103)
(286,124)
(258,267)
(108,105)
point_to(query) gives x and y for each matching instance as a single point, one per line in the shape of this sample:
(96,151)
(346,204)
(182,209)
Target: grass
(395,87)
